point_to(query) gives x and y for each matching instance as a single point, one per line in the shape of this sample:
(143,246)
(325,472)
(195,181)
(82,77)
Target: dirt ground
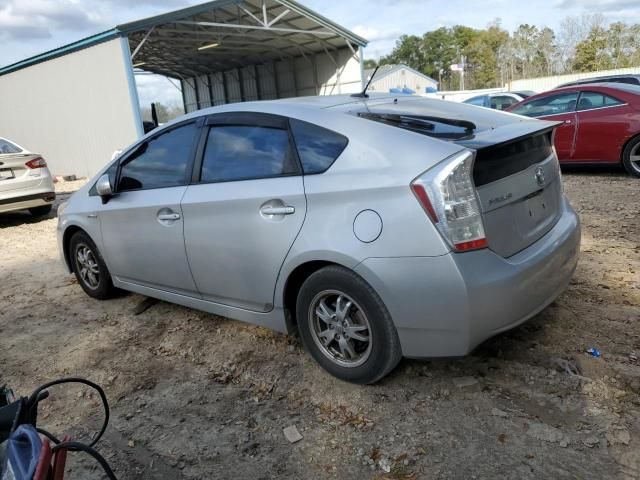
(199,396)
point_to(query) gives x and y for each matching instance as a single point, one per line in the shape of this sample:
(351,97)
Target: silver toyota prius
(375,227)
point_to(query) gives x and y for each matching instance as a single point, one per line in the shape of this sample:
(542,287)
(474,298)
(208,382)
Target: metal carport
(238,50)
(218,52)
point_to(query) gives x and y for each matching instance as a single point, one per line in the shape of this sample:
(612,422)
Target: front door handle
(568,122)
(285,210)
(169,216)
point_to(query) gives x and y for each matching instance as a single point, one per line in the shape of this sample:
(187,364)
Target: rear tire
(40,211)
(89,267)
(631,157)
(353,336)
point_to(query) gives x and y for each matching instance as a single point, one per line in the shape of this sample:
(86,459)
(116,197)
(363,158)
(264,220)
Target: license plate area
(538,208)
(6,174)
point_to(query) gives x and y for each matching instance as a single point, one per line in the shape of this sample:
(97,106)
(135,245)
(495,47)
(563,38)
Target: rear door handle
(285,210)
(169,216)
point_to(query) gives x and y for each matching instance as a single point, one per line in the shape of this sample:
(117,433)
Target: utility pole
(462,59)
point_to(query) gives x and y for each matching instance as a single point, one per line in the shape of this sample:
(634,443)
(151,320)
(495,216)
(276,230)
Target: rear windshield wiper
(418,123)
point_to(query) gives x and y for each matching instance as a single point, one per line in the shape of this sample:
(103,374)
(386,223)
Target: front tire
(40,211)
(631,157)
(89,267)
(346,327)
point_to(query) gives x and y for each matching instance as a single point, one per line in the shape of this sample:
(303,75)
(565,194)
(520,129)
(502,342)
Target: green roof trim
(60,51)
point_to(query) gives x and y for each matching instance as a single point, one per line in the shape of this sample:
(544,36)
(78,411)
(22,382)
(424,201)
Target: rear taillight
(448,196)
(36,163)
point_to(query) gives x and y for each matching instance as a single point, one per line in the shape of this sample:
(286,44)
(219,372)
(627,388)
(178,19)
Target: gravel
(200,396)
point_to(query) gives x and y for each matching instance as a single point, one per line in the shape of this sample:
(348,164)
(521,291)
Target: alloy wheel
(88,267)
(340,328)
(634,157)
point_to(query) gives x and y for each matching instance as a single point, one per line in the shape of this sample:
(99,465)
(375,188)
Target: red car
(601,122)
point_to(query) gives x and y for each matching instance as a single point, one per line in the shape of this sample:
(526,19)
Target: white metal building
(77,104)
(396,78)
(543,84)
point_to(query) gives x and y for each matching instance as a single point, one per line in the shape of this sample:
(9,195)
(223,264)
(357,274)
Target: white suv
(25,181)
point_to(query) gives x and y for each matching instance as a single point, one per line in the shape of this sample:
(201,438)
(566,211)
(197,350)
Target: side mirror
(103,188)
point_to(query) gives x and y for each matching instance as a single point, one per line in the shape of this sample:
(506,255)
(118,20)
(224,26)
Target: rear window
(317,147)
(8,147)
(499,161)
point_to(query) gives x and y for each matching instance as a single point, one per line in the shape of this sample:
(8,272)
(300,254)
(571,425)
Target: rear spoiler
(506,134)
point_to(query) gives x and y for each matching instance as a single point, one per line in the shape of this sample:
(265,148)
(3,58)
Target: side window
(160,162)
(479,101)
(503,101)
(317,147)
(589,100)
(242,152)
(550,105)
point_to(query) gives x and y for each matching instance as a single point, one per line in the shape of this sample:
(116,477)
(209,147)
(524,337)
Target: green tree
(439,53)
(370,63)
(591,53)
(408,51)
(482,57)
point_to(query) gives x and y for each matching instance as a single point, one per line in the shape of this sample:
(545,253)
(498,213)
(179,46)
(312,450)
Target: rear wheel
(345,326)
(631,157)
(89,267)
(40,211)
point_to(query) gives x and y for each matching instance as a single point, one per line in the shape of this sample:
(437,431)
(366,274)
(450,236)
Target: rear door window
(243,152)
(550,105)
(159,162)
(589,100)
(317,147)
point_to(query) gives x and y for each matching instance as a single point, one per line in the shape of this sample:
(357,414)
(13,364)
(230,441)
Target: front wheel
(631,157)
(346,327)
(89,267)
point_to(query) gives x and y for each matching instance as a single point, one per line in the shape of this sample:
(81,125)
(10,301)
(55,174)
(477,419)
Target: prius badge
(540,176)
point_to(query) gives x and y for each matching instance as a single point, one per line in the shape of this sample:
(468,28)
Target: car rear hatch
(517,179)
(516,171)
(15,174)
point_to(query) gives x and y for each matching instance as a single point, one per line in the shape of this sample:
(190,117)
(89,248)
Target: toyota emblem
(540,176)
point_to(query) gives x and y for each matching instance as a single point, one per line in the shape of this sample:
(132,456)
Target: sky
(29,27)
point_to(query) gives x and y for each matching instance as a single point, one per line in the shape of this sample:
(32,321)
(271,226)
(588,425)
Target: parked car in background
(600,123)
(629,79)
(500,100)
(376,227)
(25,180)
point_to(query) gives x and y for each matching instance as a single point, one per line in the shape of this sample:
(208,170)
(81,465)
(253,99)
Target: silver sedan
(375,227)
(25,180)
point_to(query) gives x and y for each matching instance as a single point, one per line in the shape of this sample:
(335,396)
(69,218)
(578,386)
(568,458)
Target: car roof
(600,79)
(608,85)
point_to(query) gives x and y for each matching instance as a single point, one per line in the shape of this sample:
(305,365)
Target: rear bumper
(21,202)
(447,305)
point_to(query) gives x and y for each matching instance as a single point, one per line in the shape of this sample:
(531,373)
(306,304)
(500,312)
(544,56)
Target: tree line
(494,56)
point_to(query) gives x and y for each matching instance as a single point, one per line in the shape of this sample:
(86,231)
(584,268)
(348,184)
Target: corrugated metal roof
(172,47)
(385,70)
